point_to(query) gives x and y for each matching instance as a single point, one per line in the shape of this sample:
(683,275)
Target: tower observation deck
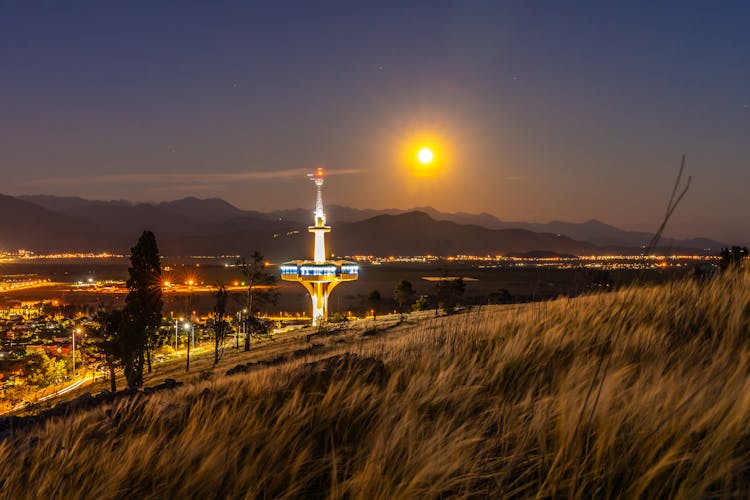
(319,276)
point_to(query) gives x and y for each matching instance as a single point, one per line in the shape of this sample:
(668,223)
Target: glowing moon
(425,155)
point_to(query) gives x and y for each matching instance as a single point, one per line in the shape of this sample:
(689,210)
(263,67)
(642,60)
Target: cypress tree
(143,306)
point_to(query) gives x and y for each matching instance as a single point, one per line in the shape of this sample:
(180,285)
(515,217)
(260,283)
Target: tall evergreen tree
(143,305)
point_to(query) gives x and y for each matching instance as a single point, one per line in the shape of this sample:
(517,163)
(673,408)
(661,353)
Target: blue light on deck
(317,270)
(350,269)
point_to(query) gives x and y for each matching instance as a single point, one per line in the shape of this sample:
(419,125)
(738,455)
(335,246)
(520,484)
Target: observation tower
(319,276)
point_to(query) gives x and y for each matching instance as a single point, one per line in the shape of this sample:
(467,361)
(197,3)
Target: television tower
(319,276)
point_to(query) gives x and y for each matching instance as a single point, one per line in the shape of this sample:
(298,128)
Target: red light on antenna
(320,172)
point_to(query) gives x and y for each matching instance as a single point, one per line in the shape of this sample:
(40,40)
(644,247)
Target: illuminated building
(319,276)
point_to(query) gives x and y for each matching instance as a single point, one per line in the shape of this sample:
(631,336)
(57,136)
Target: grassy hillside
(644,392)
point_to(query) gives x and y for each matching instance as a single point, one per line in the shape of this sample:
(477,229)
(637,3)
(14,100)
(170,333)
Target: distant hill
(123,217)
(208,210)
(335,214)
(592,231)
(24,225)
(416,233)
(192,226)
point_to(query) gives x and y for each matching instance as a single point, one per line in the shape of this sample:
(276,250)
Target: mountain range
(192,226)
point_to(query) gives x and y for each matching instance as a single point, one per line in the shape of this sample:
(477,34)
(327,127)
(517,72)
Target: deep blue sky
(538,110)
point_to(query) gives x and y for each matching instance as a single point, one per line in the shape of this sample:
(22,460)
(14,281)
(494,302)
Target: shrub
(421,304)
(337,318)
(166,351)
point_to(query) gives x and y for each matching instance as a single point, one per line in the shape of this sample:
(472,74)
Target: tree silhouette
(260,292)
(107,346)
(421,304)
(500,296)
(374,300)
(731,258)
(403,294)
(221,325)
(142,313)
(450,292)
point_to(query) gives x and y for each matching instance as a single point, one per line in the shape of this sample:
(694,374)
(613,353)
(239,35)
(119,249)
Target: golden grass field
(643,392)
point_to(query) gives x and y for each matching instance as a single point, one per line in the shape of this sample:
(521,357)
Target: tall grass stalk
(481,404)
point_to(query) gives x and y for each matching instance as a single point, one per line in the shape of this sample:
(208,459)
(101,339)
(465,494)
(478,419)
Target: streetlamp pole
(238,330)
(190,312)
(188,325)
(77,330)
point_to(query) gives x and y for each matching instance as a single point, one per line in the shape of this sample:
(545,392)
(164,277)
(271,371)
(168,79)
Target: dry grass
(489,403)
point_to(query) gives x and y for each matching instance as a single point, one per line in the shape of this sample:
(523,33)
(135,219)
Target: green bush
(337,318)
(421,304)
(166,351)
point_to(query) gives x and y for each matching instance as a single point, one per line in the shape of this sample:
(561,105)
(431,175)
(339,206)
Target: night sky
(535,110)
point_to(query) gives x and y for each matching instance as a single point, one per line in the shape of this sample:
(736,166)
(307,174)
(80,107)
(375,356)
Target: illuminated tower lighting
(320,228)
(319,276)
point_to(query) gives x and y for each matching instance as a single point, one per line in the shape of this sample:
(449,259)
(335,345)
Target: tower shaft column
(320,246)
(319,298)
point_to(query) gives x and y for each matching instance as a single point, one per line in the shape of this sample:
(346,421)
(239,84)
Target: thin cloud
(186,188)
(183,179)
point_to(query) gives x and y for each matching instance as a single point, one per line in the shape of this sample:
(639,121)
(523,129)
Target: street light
(187,326)
(77,330)
(176,331)
(237,331)
(192,330)
(241,327)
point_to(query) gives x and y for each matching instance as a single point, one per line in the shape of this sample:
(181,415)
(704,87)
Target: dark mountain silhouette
(208,210)
(416,233)
(188,226)
(67,204)
(592,231)
(335,214)
(600,233)
(120,217)
(24,225)
(191,226)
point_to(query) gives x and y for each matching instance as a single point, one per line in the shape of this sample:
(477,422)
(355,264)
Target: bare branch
(671,206)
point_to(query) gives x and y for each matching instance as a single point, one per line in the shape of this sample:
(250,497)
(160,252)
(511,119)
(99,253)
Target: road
(60,392)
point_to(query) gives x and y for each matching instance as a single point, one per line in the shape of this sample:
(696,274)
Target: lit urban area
(41,313)
(374,250)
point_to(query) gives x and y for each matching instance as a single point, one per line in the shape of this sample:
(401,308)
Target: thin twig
(670,208)
(605,355)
